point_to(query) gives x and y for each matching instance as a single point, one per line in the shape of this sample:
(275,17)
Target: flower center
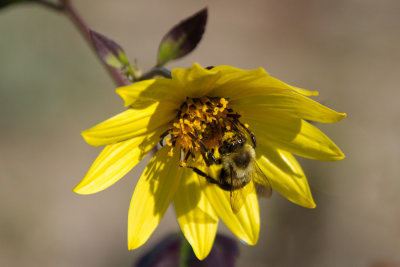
(201,124)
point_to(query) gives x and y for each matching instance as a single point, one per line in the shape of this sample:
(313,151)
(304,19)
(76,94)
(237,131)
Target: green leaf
(109,51)
(182,38)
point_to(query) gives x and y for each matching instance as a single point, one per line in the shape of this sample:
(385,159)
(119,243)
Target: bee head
(232,144)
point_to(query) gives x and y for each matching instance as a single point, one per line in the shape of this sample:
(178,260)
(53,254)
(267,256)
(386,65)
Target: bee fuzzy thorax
(239,164)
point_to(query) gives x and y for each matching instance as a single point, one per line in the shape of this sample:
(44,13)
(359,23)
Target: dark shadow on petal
(273,154)
(202,217)
(194,196)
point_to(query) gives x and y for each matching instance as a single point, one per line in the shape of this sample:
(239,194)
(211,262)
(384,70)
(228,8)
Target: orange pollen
(201,122)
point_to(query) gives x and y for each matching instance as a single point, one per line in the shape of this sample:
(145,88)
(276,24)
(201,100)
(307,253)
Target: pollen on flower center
(201,122)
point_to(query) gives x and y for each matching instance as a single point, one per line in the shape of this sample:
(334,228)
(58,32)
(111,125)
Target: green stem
(156,71)
(184,253)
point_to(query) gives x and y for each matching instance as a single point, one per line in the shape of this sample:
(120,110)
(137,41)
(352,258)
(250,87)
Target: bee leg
(222,184)
(188,154)
(252,136)
(206,160)
(210,155)
(205,175)
(162,136)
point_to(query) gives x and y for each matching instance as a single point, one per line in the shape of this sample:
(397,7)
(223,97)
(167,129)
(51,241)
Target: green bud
(108,50)
(182,38)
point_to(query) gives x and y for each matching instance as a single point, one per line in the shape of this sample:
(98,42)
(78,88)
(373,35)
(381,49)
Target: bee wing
(238,196)
(262,191)
(237,200)
(262,184)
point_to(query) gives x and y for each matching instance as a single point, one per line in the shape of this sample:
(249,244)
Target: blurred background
(52,87)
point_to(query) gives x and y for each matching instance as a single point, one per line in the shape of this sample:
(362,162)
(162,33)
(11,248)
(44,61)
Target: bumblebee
(237,159)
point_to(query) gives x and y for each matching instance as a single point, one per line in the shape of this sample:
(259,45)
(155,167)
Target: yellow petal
(246,223)
(281,159)
(230,82)
(196,217)
(145,93)
(115,161)
(196,80)
(129,124)
(236,83)
(305,91)
(294,135)
(289,103)
(189,74)
(152,196)
(131,93)
(285,175)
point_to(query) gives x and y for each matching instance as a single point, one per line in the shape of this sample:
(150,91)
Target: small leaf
(182,38)
(109,51)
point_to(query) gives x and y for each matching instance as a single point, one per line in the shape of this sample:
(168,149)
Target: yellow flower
(200,115)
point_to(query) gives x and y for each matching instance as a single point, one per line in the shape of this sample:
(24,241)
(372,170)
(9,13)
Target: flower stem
(184,253)
(156,71)
(51,5)
(71,12)
(76,18)
(67,8)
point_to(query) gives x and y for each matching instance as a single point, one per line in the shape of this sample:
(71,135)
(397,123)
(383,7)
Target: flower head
(225,132)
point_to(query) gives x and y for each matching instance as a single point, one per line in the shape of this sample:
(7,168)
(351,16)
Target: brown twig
(56,6)
(70,11)
(67,8)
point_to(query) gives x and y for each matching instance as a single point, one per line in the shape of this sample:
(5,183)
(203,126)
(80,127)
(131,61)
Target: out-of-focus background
(52,87)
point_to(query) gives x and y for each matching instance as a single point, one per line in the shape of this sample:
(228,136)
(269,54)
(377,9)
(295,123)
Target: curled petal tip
(338,156)
(336,116)
(82,189)
(86,134)
(311,205)
(341,156)
(76,190)
(201,256)
(79,189)
(133,245)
